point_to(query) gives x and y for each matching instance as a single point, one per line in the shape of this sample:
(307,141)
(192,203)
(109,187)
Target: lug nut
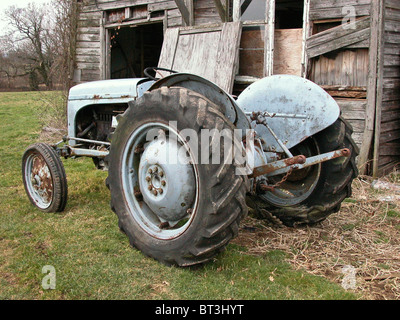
(155,169)
(150,188)
(163,183)
(148,179)
(161,173)
(150,171)
(155,192)
(161,191)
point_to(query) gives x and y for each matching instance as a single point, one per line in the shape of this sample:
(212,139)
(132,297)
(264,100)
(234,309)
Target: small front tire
(44,178)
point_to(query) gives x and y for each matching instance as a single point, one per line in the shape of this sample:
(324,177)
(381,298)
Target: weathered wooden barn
(349,47)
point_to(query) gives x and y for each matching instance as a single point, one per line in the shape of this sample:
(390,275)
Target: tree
(64,37)
(32,39)
(43,38)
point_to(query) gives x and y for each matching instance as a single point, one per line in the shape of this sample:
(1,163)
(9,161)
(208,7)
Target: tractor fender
(209,90)
(296,108)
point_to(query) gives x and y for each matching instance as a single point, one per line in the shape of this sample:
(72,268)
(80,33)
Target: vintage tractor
(185,158)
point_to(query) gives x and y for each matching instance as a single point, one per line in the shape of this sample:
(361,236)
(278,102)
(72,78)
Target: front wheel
(310,195)
(44,178)
(172,207)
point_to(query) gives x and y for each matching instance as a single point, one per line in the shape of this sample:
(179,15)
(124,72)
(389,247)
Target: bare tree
(30,39)
(64,40)
(43,39)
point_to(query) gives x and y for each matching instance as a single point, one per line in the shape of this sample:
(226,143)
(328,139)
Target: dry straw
(362,236)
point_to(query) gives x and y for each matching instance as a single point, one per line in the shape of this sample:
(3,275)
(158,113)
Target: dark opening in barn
(133,49)
(289,14)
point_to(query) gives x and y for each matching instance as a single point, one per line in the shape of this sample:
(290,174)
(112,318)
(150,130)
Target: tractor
(185,159)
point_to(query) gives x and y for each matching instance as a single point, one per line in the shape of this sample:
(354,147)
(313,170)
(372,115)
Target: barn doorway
(288,42)
(134,48)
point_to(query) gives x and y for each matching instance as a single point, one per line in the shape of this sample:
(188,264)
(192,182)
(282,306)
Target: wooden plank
(307,30)
(100,5)
(322,4)
(394,4)
(269,39)
(338,37)
(190,6)
(337,11)
(288,51)
(390,149)
(184,11)
(228,55)
(236,10)
(379,86)
(191,52)
(159,6)
(222,11)
(251,54)
(375,41)
(167,55)
(347,68)
(205,12)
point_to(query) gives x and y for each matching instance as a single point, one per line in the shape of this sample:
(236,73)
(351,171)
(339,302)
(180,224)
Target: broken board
(207,51)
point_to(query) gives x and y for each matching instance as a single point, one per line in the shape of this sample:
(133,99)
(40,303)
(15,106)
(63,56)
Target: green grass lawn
(93,259)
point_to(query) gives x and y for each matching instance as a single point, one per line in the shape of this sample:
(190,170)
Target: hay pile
(358,247)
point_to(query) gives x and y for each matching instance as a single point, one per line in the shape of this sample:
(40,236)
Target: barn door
(210,52)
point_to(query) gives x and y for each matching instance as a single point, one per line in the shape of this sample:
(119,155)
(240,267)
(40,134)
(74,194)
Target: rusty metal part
(164,225)
(138,194)
(139,149)
(265,187)
(41,179)
(274,166)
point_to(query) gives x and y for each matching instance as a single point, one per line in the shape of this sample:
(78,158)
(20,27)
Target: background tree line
(38,52)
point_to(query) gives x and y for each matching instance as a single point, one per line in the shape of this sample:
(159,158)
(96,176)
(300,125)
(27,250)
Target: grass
(93,259)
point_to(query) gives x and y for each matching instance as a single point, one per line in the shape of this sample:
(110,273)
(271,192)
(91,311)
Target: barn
(349,47)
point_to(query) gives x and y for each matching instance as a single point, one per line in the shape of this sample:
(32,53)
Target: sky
(4,4)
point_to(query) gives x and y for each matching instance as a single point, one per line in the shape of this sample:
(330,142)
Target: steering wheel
(155,69)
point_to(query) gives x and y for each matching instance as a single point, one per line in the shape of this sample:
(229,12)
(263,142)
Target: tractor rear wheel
(175,210)
(310,195)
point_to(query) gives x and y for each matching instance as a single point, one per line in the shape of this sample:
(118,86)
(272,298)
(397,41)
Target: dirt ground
(357,247)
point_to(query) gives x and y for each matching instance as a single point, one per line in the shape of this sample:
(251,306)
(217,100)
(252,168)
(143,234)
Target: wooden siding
(96,16)
(205,12)
(334,9)
(353,110)
(389,137)
(339,56)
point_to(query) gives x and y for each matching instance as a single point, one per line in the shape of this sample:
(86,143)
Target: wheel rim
(299,184)
(161,194)
(39,181)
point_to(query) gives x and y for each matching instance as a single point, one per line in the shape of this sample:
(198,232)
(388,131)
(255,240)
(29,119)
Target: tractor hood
(110,89)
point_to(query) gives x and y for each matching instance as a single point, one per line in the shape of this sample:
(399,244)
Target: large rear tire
(310,195)
(148,211)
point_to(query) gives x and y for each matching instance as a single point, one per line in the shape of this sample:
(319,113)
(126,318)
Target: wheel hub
(166,180)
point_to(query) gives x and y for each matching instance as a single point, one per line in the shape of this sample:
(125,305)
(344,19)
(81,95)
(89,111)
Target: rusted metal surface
(274,166)
(41,179)
(297,163)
